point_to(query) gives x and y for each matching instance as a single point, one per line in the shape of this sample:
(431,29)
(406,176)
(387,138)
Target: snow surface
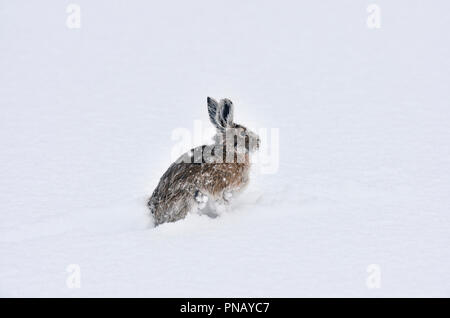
(87,117)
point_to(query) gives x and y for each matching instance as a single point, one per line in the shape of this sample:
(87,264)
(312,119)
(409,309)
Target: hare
(213,173)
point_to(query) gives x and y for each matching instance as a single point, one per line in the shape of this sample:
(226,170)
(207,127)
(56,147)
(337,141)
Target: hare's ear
(220,114)
(226,113)
(213,106)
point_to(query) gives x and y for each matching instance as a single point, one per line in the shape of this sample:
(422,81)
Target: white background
(86,118)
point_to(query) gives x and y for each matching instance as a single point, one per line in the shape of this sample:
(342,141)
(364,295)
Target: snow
(87,120)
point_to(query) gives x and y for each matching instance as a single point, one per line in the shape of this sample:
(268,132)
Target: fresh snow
(87,120)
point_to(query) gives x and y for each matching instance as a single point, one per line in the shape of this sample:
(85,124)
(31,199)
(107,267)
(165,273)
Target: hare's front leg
(201,199)
(226,196)
(222,203)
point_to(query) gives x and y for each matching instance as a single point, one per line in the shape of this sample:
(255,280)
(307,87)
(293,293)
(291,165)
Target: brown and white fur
(213,173)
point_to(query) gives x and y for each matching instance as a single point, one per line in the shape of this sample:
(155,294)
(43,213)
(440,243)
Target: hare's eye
(242,133)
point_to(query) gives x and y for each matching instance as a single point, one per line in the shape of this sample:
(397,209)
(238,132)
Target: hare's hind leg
(191,201)
(175,208)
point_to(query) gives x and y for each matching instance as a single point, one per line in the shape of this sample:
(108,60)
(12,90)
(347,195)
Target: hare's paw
(227,195)
(201,199)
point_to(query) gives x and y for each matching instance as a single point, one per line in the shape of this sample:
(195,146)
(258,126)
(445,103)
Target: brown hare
(213,173)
